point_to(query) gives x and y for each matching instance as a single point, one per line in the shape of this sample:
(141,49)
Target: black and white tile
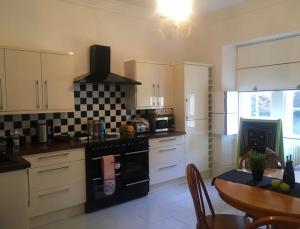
(91,102)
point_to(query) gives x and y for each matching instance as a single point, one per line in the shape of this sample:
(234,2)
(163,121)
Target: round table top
(259,202)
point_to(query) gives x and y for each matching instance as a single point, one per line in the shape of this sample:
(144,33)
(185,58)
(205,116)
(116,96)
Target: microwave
(162,123)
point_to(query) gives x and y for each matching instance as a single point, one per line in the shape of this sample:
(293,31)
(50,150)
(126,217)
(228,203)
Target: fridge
(191,111)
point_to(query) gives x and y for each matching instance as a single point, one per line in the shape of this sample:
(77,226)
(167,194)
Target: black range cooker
(131,171)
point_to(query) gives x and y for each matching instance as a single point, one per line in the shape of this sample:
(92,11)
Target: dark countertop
(31,149)
(165,134)
(17,164)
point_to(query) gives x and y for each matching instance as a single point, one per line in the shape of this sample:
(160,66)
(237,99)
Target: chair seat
(222,221)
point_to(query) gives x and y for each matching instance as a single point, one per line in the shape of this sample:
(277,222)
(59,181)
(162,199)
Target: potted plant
(257,162)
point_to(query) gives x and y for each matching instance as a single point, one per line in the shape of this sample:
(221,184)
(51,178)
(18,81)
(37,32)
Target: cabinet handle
(37,94)
(168,140)
(167,167)
(153,94)
(158,95)
(166,150)
(55,192)
(46,94)
(138,182)
(53,156)
(1,99)
(50,170)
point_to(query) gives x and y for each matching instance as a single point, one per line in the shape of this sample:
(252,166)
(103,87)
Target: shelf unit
(210,135)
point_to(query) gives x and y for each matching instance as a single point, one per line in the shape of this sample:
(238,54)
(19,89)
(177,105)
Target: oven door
(96,197)
(135,166)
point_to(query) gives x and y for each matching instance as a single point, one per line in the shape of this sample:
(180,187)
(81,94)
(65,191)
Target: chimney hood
(100,69)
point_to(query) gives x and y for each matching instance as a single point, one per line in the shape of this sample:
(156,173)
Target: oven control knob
(117,165)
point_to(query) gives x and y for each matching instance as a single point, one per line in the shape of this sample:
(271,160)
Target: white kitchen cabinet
(23,80)
(166,159)
(57,76)
(225,117)
(196,146)
(56,181)
(191,110)
(35,81)
(157,84)
(14,200)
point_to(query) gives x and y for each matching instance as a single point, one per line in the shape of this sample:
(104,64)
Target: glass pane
(253,105)
(264,106)
(296,122)
(297,99)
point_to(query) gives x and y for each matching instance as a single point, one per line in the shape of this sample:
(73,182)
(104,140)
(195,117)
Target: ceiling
(201,6)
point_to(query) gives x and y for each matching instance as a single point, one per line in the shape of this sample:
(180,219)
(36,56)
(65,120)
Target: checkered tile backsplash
(92,101)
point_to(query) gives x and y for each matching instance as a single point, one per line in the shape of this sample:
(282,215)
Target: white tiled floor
(167,206)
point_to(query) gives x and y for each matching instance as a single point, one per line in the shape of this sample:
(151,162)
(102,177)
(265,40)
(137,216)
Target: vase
(258,174)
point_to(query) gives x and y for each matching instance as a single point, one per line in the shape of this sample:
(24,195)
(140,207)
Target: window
(261,104)
(296,113)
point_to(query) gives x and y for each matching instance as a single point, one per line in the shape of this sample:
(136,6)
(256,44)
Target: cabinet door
(2,82)
(197,143)
(196,91)
(145,96)
(57,76)
(164,85)
(23,80)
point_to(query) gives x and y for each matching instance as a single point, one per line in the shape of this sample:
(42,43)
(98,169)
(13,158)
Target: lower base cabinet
(166,159)
(56,181)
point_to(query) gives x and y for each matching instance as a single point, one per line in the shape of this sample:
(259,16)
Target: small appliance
(140,125)
(161,123)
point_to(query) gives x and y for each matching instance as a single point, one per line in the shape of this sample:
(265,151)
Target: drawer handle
(138,182)
(168,140)
(166,150)
(53,156)
(50,170)
(55,192)
(167,167)
(137,152)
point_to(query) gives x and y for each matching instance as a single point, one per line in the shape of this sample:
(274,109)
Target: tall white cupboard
(191,110)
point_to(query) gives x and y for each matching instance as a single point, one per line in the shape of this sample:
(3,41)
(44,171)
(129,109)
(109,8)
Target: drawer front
(56,157)
(167,172)
(166,155)
(51,176)
(166,141)
(56,199)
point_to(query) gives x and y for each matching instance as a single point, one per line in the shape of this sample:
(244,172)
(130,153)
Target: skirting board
(56,216)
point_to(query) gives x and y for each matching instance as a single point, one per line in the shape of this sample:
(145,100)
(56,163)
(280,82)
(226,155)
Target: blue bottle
(101,129)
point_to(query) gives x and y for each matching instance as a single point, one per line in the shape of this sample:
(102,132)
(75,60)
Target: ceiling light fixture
(175,17)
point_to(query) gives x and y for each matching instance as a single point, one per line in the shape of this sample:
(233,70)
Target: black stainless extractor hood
(100,69)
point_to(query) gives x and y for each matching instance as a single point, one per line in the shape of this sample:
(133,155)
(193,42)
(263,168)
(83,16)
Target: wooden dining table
(258,202)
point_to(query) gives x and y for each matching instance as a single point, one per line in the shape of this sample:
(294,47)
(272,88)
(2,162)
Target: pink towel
(108,171)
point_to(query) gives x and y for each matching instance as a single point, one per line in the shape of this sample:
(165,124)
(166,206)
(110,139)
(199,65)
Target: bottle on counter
(101,129)
(90,129)
(289,174)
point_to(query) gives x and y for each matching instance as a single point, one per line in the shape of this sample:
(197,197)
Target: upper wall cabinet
(23,80)
(57,82)
(2,82)
(33,81)
(157,84)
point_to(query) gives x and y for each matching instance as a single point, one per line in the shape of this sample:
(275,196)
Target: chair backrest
(198,190)
(273,160)
(277,221)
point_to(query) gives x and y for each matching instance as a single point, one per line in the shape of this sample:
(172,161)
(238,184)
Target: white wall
(247,21)
(74,25)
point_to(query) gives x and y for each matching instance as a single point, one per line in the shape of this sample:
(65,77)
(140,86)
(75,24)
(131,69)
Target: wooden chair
(273,160)
(213,221)
(278,222)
